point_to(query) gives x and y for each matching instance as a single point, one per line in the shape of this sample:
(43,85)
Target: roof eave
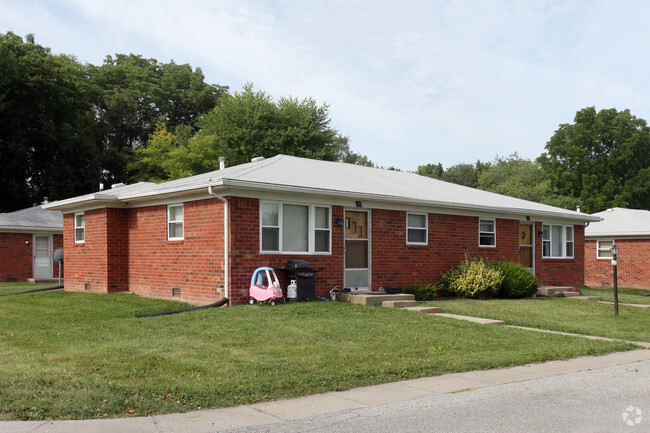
(579,217)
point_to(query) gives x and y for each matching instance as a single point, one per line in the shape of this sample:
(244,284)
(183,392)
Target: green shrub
(422,292)
(472,278)
(518,282)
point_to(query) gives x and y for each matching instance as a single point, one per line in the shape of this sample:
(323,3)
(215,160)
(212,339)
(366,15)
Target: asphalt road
(613,399)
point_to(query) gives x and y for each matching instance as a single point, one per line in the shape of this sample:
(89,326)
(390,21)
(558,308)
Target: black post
(614,250)
(615,291)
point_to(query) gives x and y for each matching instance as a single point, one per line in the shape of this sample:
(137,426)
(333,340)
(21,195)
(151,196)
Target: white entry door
(42,256)
(357,266)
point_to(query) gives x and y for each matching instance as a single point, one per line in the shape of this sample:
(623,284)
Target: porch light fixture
(614,251)
(540,233)
(339,221)
(358,203)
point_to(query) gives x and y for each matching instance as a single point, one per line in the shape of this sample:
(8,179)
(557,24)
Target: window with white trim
(295,228)
(322,229)
(175,222)
(487,234)
(604,249)
(416,229)
(79,227)
(557,241)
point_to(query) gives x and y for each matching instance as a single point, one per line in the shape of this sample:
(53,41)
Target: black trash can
(303,273)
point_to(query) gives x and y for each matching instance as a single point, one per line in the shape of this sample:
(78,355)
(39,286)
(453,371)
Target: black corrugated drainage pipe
(165,313)
(33,291)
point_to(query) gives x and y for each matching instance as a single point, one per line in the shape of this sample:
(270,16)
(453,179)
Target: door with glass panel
(42,256)
(356,250)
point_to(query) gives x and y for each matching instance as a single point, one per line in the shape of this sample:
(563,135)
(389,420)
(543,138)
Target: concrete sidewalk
(219,420)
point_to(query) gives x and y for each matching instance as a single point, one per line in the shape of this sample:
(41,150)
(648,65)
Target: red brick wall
(245,256)
(633,265)
(394,263)
(194,264)
(567,272)
(153,265)
(87,262)
(17,250)
(17,253)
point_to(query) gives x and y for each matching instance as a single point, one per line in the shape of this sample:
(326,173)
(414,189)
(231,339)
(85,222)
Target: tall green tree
(522,178)
(131,94)
(245,125)
(603,158)
(48,146)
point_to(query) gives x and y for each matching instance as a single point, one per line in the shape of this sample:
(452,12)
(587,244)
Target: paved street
(591,401)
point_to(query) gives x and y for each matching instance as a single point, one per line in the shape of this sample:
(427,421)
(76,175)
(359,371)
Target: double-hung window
(487,234)
(557,241)
(175,222)
(295,228)
(79,227)
(604,249)
(416,229)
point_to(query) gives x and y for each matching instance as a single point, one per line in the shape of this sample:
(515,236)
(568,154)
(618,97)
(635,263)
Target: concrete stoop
(406,302)
(373,298)
(399,304)
(550,291)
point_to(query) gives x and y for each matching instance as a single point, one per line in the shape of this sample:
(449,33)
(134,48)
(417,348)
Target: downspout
(226,249)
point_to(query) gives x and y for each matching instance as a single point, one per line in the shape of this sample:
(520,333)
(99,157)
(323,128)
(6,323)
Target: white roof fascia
(28,229)
(578,217)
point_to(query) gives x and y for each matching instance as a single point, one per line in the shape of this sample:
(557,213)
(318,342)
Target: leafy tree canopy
(132,94)
(603,159)
(245,125)
(48,144)
(522,178)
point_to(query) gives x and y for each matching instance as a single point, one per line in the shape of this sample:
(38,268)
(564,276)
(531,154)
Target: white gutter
(226,249)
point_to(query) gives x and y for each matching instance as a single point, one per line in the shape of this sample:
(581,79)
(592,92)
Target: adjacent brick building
(199,239)
(28,239)
(629,229)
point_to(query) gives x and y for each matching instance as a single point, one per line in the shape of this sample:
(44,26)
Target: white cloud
(410,82)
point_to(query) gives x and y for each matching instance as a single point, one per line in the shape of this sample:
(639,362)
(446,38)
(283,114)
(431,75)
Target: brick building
(28,238)
(629,229)
(200,238)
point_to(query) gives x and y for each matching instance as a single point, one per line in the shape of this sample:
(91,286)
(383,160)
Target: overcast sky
(409,82)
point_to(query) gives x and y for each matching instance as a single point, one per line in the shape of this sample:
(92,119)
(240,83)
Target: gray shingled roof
(32,219)
(620,222)
(293,174)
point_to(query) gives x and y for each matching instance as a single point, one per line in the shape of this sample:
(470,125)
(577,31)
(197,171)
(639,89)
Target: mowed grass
(80,355)
(560,314)
(628,296)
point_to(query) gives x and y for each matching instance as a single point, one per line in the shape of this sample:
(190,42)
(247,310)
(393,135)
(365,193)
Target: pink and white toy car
(270,291)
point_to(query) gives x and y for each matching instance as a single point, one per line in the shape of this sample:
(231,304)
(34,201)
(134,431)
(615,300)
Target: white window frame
(599,249)
(77,240)
(171,222)
(493,232)
(425,228)
(323,229)
(312,229)
(564,241)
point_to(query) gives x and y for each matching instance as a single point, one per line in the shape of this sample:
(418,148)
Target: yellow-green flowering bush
(472,278)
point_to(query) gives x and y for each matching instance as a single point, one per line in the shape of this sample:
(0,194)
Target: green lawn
(559,314)
(80,355)
(629,296)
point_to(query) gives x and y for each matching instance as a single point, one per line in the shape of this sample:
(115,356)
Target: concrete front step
(399,304)
(471,319)
(373,298)
(550,291)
